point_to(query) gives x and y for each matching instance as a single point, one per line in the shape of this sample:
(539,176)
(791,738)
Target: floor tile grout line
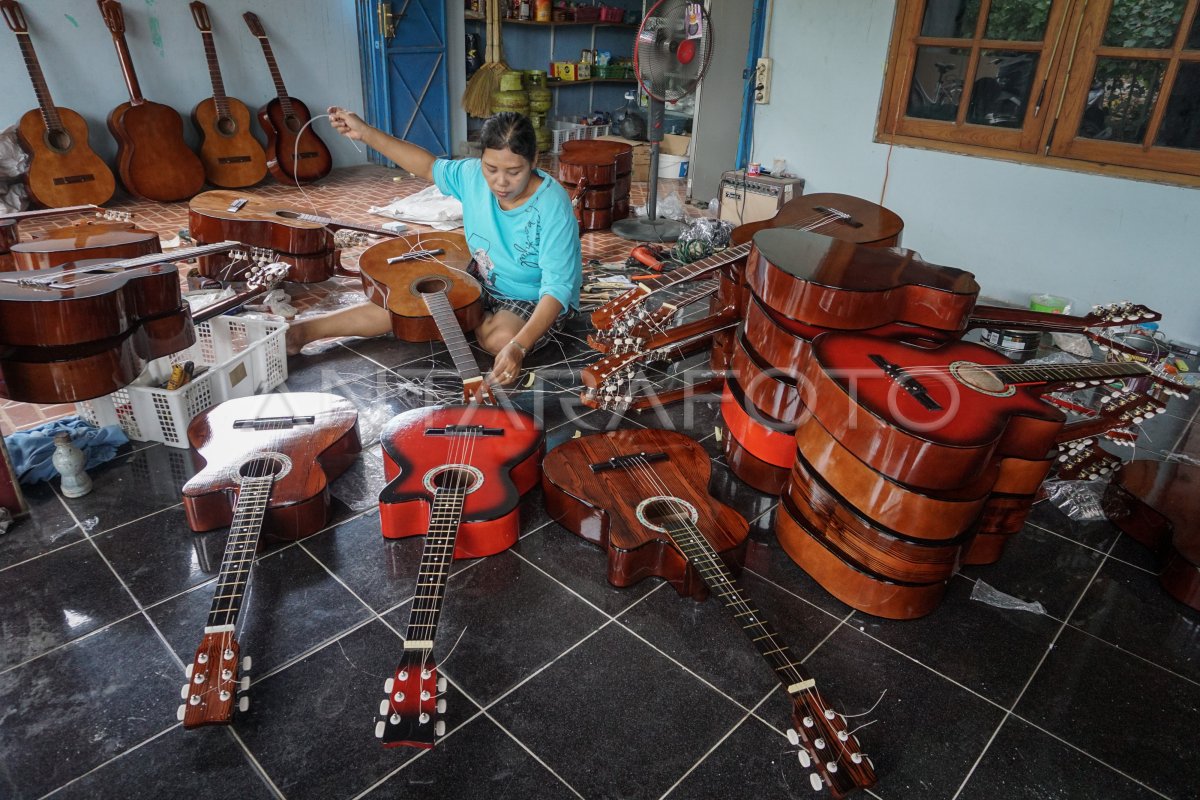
(750,714)
(81,540)
(257,766)
(534,755)
(118,757)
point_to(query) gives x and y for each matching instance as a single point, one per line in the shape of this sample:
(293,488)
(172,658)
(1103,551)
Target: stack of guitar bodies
(597,175)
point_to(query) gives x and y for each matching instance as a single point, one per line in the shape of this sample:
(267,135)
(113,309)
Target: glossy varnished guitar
(232,157)
(642,495)
(268,461)
(153,159)
(455,474)
(295,154)
(10,229)
(111,235)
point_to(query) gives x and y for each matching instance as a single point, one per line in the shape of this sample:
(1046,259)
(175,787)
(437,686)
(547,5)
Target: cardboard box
(641,157)
(675,145)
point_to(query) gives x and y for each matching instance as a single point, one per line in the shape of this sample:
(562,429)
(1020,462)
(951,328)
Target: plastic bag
(669,207)
(13,160)
(702,237)
(986,593)
(1079,500)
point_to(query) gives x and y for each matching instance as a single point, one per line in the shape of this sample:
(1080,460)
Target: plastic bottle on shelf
(543,11)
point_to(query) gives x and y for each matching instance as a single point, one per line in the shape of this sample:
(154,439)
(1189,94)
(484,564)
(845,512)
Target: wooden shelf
(473,16)
(560,84)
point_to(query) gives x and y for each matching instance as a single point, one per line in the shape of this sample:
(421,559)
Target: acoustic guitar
(153,159)
(642,495)
(267,464)
(456,474)
(295,154)
(63,169)
(232,157)
(111,235)
(10,229)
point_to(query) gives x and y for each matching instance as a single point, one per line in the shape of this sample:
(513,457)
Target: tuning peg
(804,758)
(388,684)
(185,691)
(384,707)
(793,737)
(188,672)
(246,662)
(243,703)
(244,683)
(857,758)
(379,728)
(441,685)
(815,781)
(441,706)
(181,712)
(439,728)
(831,766)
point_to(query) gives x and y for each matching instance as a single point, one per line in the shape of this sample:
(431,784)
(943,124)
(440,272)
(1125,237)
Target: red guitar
(456,474)
(275,455)
(642,496)
(295,154)
(63,168)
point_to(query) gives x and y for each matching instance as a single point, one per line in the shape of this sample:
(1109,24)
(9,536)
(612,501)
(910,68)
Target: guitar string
(103,272)
(651,478)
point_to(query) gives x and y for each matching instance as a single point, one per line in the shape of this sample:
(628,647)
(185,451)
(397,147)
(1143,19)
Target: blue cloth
(534,249)
(31,450)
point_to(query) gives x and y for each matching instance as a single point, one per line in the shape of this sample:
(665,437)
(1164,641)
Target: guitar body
(293,157)
(841,216)
(231,156)
(616,509)
(84,241)
(153,159)
(10,234)
(63,169)
(398,287)
(304,458)
(258,222)
(758,449)
(500,465)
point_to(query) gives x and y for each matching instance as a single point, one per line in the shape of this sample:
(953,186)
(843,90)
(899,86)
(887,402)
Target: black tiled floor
(561,685)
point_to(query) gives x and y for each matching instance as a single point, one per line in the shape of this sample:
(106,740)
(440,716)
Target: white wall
(1020,229)
(315,44)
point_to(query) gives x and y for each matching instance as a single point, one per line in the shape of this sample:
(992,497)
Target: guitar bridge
(273,423)
(841,216)
(464,430)
(907,382)
(626,462)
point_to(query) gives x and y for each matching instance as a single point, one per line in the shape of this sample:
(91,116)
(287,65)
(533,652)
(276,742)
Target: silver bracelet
(524,350)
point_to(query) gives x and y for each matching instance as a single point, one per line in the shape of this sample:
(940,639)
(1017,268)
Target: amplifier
(755,198)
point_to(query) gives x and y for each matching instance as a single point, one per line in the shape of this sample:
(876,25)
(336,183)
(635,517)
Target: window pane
(1143,23)
(1121,99)
(1018,20)
(937,82)
(1193,39)
(1001,90)
(1181,124)
(950,18)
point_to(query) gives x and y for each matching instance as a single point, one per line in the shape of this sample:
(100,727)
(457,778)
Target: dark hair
(510,130)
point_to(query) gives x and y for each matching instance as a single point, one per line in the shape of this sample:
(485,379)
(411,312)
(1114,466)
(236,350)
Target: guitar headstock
(14,16)
(1085,463)
(607,314)
(607,382)
(1119,314)
(114,216)
(827,747)
(114,16)
(200,15)
(254,25)
(1167,380)
(210,694)
(346,238)
(410,710)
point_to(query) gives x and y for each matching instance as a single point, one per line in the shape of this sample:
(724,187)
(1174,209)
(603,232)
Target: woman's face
(507,175)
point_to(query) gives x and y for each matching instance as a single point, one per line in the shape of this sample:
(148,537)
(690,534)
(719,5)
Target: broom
(477,98)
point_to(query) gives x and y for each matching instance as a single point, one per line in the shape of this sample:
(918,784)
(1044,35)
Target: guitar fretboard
(214,73)
(1056,373)
(354,226)
(445,514)
(456,342)
(285,101)
(45,104)
(239,551)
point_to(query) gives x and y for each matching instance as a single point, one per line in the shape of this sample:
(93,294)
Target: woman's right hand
(347,123)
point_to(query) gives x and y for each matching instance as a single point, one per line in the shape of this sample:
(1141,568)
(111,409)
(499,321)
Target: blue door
(403,46)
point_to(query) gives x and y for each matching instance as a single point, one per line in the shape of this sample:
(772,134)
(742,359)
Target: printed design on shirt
(529,248)
(483,262)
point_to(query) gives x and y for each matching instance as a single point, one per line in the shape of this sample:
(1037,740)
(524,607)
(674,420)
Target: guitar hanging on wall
(295,154)
(63,169)
(456,473)
(232,157)
(153,160)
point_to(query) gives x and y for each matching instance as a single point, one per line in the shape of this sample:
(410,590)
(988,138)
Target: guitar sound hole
(226,126)
(665,513)
(454,478)
(431,285)
(293,124)
(262,466)
(59,141)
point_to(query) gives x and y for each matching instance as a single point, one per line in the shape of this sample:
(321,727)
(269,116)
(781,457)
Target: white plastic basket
(563,130)
(243,356)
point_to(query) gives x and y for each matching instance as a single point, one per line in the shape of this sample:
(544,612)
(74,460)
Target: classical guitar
(306,240)
(642,495)
(232,157)
(839,216)
(267,464)
(111,235)
(63,169)
(295,154)
(455,474)
(153,159)
(79,331)
(398,273)
(10,229)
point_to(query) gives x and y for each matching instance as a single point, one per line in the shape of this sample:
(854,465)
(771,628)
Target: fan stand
(650,228)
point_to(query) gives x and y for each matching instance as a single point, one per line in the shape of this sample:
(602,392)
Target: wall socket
(762,81)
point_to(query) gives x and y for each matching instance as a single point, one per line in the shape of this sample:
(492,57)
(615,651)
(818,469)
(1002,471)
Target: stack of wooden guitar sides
(597,175)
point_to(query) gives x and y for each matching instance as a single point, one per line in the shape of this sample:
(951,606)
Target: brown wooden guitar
(232,157)
(10,229)
(642,496)
(295,154)
(153,159)
(63,169)
(86,240)
(267,464)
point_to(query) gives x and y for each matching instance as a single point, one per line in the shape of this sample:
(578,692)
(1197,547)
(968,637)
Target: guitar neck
(183,254)
(698,268)
(717,577)
(131,81)
(338,223)
(49,113)
(1032,375)
(445,513)
(214,75)
(285,100)
(440,309)
(239,553)
(50,212)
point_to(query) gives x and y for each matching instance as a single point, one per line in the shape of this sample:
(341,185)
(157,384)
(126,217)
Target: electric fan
(670,55)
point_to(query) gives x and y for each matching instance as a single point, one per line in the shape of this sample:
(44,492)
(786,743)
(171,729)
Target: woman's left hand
(507,365)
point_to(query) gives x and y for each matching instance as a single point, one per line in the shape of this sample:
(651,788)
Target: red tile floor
(346,194)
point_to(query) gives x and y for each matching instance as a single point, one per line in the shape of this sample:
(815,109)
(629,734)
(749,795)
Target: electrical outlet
(762,81)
